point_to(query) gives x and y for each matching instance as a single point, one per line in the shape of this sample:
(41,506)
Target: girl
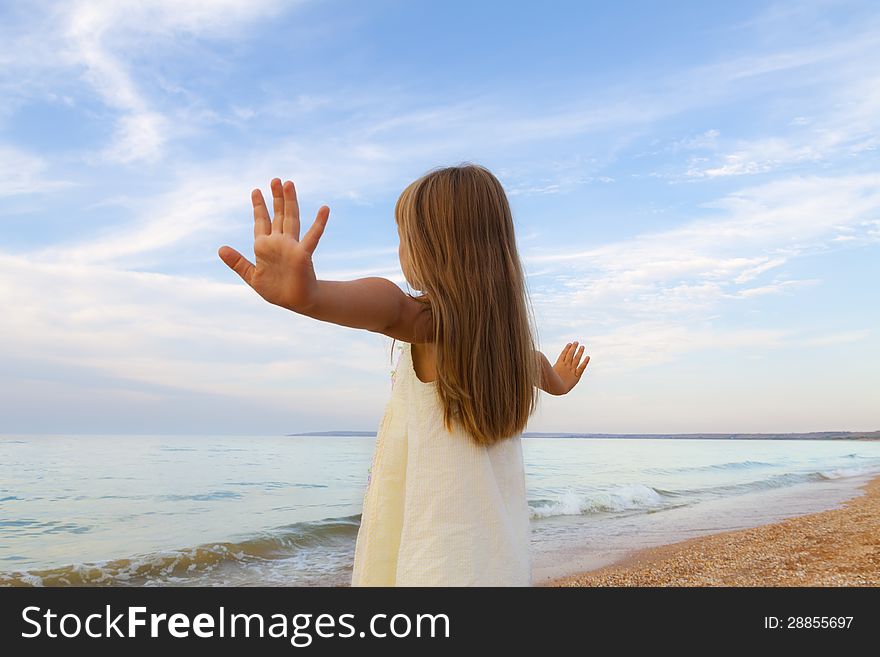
(445,503)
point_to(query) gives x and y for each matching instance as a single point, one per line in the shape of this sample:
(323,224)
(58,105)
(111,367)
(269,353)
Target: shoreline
(835,547)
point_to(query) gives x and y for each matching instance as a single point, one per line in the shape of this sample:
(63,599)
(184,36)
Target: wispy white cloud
(679,277)
(197,210)
(167,331)
(847,129)
(98,41)
(776,287)
(25,173)
(755,157)
(842,337)
(647,343)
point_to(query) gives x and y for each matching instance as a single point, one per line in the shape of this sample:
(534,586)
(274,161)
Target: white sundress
(439,509)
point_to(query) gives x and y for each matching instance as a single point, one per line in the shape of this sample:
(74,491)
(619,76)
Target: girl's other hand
(283,274)
(567,365)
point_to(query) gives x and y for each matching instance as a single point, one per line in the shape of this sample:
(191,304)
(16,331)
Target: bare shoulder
(415,321)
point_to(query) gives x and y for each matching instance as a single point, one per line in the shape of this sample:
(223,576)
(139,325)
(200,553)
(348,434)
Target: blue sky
(695,187)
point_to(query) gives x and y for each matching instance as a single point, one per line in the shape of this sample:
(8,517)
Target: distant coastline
(342,434)
(815,435)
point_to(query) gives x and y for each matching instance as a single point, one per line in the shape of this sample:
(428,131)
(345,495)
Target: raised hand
(283,274)
(567,365)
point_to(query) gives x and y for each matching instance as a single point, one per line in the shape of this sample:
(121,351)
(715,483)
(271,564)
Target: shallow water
(276,510)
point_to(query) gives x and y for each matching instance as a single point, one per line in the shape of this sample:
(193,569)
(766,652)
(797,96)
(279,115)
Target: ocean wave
(641,497)
(840,473)
(161,566)
(619,498)
(775,481)
(732,465)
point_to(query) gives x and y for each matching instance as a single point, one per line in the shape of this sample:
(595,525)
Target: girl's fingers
(291,211)
(583,366)
(564,354)
(278,202)
(310,239)
(237,262)
(262,224)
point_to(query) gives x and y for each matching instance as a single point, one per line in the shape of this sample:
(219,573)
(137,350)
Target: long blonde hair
(457,231)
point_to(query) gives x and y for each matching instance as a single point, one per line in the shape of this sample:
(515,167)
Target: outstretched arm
(283,274)
(560,378)
(374,304)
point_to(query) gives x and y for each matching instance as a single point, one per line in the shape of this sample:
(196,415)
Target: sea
(175,510)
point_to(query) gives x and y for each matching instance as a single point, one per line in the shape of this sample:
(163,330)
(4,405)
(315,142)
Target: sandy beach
(837,547)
